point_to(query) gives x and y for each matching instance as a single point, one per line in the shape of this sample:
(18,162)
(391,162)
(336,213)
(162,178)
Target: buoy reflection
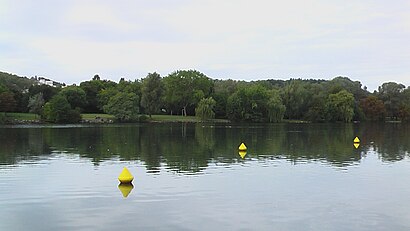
(125,189)
(242,154)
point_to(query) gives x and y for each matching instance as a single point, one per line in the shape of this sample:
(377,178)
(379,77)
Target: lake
(191,177)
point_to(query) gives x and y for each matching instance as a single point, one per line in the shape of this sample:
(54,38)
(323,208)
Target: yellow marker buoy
(356,145)
(125,189)
(125,177)
(242,154)
(242,147)
(356,140)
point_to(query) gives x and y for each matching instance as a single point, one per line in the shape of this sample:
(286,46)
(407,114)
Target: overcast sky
(70,41)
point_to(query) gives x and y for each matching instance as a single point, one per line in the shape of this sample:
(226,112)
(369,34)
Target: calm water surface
(191,177)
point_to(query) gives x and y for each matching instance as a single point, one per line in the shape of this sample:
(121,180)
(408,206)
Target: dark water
(191,177)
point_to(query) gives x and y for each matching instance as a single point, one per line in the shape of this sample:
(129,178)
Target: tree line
(190,92)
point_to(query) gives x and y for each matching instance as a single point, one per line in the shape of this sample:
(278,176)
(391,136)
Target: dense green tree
(36,103)
(205,109)
(295,98)
(276,109)
(152,91)
(47,91)
(59,110)
(340,106)
(21,101)
(91,89)
(343,83)
(249,104)
(373,108)
(184,89)
(75,96)
(317,103)
(104,96)
(96,77)
(3,88)
(391,94)
(7,102)
(404,112)
(235,108)
(222,90)
(124,106)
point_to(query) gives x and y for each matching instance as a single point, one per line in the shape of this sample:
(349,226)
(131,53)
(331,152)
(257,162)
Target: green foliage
(276,109)
(3,88)
(317,103)
(124,106)
(75,96)
(92,89)
(391,95)
(47,91)
(58,110)
(294,97)
(152,91)
(340,106)
(16,83)
(3,118)
(105,95)
(7,102)
(222,90)
(404,113)
(343,83)
(184,89)
(249,104)
(205,107)
(36,103)
(181,91)
(143,118)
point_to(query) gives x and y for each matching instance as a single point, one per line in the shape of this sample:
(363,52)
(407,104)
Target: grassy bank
(22,116)
(177,118)
(105,117)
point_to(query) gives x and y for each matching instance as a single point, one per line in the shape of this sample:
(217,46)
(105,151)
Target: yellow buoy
(242,154)
(125,177)
(242,147)
(356,140)
(125,189)
(356,145)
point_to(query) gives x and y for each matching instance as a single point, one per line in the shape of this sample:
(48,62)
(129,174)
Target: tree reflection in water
(190,148)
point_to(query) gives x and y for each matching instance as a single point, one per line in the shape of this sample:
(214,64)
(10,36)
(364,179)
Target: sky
(71,41)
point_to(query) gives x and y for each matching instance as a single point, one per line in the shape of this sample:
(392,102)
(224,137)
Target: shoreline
(100,119)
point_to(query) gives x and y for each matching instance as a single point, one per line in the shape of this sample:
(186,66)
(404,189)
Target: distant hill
(16,83)
(20,84)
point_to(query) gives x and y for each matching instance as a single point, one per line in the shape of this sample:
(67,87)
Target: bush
(58,110)
(205,109)
(143,118)
(124,106)
(3,118)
